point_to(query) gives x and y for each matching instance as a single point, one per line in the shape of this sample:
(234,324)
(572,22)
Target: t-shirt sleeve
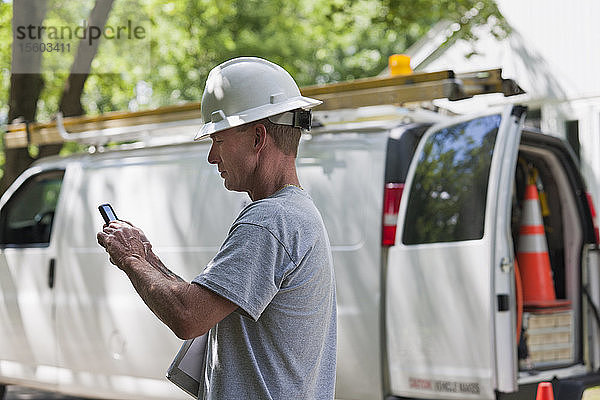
(248,269)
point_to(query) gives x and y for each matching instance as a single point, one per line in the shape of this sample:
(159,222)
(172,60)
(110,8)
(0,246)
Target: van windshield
(448,194)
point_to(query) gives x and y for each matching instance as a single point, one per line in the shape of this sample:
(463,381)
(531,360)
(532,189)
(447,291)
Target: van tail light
(391,203)
(594,217)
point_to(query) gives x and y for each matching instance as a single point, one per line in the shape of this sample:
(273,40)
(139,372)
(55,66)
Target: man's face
(232,152)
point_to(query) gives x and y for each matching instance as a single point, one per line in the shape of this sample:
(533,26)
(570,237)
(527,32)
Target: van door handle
(506,265)
(51,270)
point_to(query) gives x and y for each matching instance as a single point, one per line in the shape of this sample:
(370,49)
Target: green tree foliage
(5,56)
(318,41)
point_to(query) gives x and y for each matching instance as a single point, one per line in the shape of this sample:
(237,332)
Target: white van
(423,253)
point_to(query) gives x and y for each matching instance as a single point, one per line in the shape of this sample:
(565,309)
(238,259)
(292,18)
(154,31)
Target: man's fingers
(121,240)
(116,225)
(129,225)
(101,237)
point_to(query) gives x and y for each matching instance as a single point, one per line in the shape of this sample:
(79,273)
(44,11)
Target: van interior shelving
(551,337)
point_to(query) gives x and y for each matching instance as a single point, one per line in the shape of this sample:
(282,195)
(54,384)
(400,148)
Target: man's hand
(189,309)
(122,241)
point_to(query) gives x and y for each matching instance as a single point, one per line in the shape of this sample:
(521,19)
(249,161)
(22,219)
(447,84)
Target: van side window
(448,194)
(26,219)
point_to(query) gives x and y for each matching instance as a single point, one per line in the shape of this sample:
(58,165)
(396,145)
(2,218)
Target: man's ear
(260,136)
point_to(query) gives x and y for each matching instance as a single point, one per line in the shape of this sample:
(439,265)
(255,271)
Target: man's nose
(213,158)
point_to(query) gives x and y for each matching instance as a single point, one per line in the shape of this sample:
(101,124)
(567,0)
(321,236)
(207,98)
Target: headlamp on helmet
(299,118)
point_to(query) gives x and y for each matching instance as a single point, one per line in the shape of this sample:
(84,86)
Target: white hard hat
(248,89)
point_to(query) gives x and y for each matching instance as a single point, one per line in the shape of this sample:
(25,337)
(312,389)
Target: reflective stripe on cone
(533,258)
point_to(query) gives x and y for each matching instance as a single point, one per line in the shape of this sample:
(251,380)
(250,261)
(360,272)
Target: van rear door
(449,282)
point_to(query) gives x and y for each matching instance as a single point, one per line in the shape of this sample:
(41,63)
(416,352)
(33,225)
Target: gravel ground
(21,393)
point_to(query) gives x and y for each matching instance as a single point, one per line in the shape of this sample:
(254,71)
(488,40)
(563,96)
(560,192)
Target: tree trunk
(26,84)
(24,91)
(70,103)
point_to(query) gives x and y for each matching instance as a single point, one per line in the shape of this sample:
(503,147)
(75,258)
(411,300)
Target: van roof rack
(150,126)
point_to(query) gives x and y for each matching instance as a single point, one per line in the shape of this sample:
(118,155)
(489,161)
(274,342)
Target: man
(268,295)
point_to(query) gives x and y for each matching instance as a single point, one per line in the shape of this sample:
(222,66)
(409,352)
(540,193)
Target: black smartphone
(107,213)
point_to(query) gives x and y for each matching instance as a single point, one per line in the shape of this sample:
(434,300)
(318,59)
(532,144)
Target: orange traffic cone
(544,391)
(533,258)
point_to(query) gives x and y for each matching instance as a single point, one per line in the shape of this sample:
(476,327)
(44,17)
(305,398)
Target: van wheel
(2,391)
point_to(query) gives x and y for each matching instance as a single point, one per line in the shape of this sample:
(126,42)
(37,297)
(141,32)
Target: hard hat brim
(255,114)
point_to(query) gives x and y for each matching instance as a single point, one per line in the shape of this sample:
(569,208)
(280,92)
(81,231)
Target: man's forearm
(161,290)
(158,264)
(189,310)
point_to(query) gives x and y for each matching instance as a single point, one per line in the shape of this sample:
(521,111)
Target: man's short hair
(286,137)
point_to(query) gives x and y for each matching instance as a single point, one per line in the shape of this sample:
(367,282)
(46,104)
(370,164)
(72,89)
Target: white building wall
(566,35)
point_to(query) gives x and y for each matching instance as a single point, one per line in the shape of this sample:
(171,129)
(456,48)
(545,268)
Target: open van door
(449,304)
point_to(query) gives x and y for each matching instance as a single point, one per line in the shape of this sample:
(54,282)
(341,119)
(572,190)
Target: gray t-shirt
(276,265)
